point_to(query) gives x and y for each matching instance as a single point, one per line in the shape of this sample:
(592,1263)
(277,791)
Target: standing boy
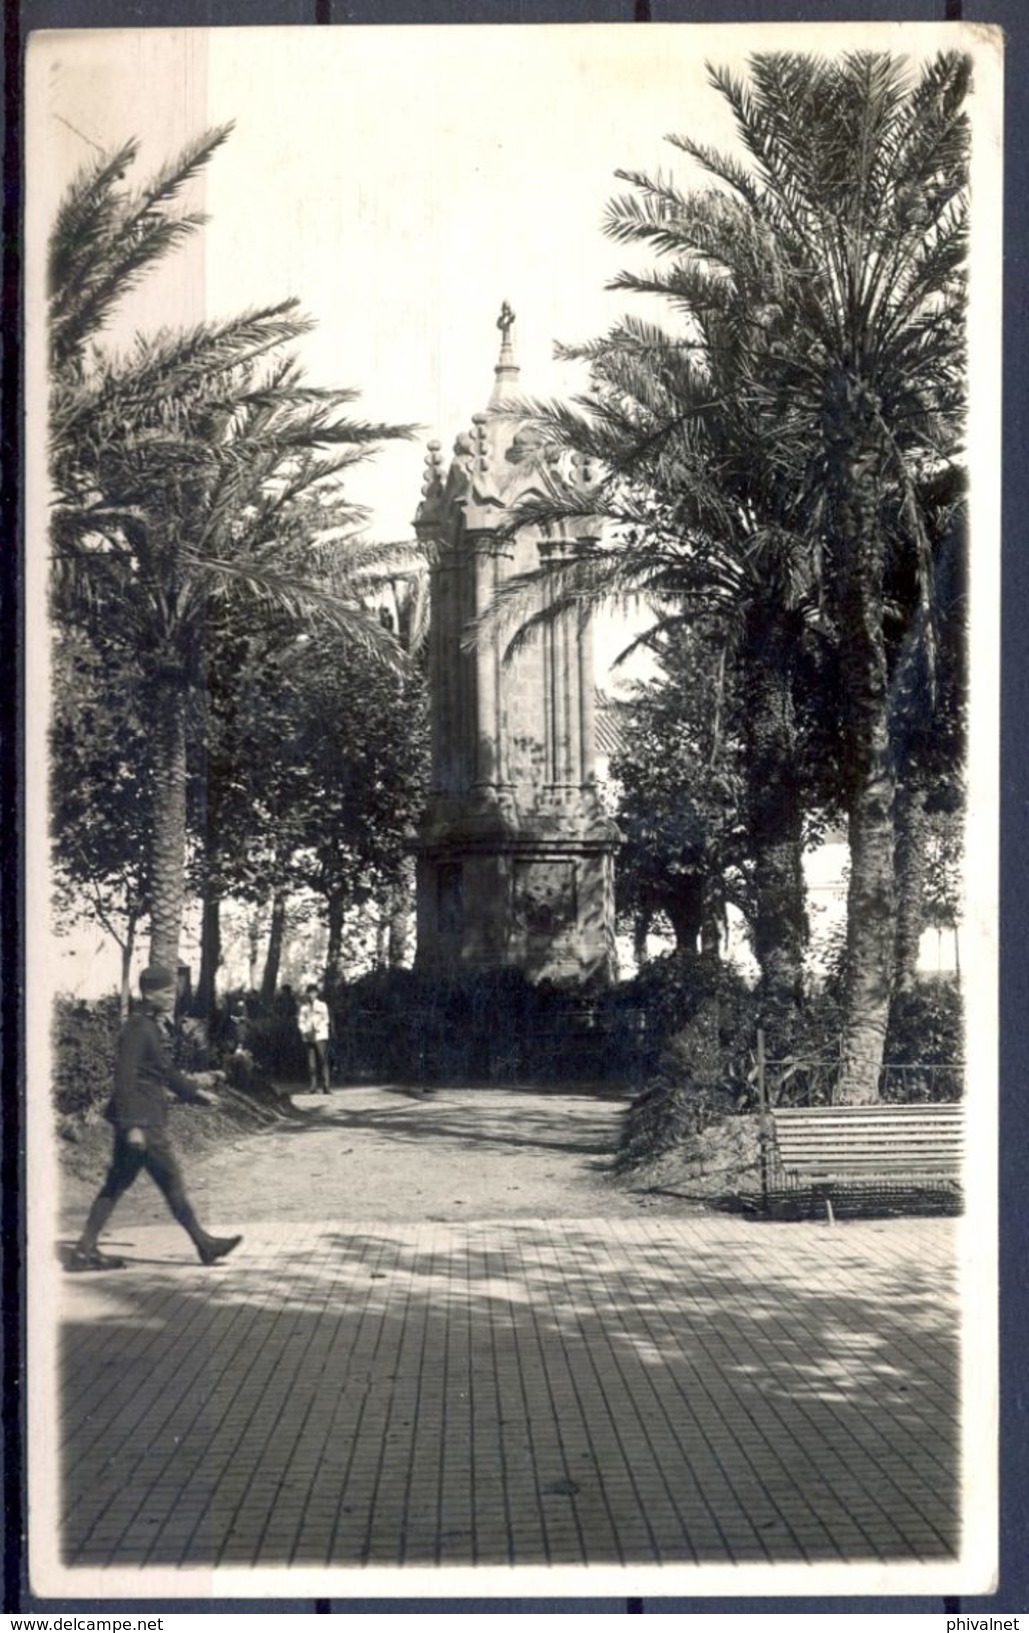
(139,1111)
(313,1021)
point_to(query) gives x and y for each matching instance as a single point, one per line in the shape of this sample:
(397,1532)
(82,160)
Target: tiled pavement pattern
(694,1389)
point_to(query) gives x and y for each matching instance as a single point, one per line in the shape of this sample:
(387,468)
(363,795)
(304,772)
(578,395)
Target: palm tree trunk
(870,943)
(276,937)
(910,866)
(853,467)
(168,833)
(775,822)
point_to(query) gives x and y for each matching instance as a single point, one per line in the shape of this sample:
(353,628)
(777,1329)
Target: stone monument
(514,853)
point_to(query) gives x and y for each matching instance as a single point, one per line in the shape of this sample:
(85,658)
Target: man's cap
(157,978)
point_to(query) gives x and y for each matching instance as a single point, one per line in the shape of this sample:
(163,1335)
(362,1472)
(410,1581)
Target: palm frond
(261,577)
(106,238)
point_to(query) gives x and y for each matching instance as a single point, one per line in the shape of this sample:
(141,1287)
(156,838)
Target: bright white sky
(402,182)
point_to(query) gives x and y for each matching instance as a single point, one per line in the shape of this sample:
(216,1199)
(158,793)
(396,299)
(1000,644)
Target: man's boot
(214,1248)
(209,1248)
(85,1255)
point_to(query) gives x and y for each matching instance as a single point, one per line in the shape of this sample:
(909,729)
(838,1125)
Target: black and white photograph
(512,574)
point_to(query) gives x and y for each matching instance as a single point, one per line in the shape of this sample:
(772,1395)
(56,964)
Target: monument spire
(506,372)
(515,853)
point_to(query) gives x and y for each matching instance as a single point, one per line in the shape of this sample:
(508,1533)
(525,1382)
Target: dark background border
(1012,1593)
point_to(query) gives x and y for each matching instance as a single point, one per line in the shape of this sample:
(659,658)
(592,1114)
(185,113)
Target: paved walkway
(665,1389)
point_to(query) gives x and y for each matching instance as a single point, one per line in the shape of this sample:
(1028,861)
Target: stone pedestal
(521,894)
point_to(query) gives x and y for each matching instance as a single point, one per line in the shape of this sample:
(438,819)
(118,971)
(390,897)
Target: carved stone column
(514,856)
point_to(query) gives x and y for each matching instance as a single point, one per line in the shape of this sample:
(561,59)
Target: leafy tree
(246,788)
(680,803)
(100,797)
(317,776)
(361,748)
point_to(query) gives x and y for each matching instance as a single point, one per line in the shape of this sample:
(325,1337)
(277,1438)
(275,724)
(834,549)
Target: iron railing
(811,1081)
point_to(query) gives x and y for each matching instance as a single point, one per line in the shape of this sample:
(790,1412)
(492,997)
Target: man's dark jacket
(142,1069)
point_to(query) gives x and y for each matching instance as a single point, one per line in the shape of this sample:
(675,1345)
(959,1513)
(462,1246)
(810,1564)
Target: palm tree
(664,448)
(821,287)
(195,468)
(859,188)
(106,237)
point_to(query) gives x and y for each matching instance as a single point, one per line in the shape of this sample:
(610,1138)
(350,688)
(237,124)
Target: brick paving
(690,1389)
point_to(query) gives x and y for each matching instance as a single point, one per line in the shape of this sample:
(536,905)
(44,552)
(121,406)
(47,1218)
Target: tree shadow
(520,1125)
(528,1396)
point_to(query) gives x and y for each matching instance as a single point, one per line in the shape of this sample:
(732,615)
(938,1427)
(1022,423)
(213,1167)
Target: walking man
(313,1021)
(139,1111)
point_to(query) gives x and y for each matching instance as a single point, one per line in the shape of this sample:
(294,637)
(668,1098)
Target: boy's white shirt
(314,1018)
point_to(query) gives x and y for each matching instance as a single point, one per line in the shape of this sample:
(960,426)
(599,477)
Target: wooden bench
(875,1148)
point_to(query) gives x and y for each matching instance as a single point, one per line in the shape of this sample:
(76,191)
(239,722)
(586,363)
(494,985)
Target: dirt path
(384,1153)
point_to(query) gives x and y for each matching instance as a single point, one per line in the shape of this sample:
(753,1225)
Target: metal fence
(806,1081)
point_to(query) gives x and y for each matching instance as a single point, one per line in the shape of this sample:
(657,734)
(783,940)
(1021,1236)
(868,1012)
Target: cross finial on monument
(505,374)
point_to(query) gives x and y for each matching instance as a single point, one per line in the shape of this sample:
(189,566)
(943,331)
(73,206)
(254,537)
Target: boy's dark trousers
(318,1064)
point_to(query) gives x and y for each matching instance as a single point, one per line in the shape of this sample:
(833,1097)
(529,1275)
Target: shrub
(413,1027)
(494,1026)
(84,1040)
(926,1038)
(803,1055)
(703,1073)
(275,1044)
(666,991)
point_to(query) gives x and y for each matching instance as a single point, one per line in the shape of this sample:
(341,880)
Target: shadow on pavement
(521,1124)
(530,1396)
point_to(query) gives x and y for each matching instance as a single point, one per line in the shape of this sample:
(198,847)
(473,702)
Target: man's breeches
(157,1158)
